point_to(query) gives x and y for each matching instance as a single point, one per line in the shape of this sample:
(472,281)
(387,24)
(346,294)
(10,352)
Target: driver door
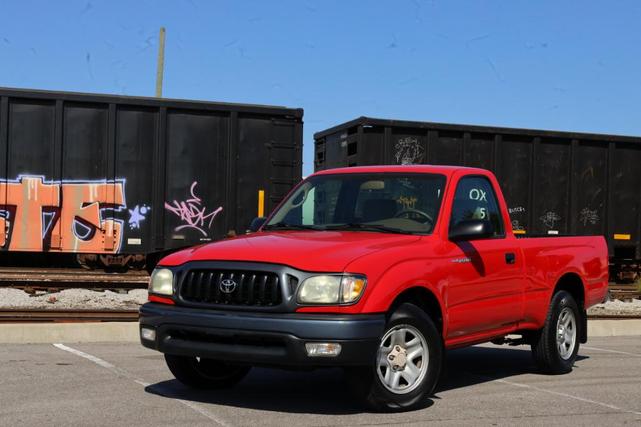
(485,285)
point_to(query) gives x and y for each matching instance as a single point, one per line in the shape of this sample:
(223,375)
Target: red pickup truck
(378,270)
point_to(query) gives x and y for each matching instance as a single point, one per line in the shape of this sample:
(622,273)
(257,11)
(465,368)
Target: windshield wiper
(285,226)
(367,227)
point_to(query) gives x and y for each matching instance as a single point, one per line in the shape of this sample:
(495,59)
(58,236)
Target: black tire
(369,386)
(546,351)
(205,373)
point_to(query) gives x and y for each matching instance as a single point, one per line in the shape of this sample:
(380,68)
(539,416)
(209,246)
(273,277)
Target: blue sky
(573,65)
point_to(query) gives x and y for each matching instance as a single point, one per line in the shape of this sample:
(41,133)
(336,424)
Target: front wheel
(407,364)
(198,372)
(556,346)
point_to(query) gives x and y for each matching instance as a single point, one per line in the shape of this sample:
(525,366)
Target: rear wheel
(556,346)
(203,373)
(407,364)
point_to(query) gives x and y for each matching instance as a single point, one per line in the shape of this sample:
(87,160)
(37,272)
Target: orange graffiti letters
(66,216)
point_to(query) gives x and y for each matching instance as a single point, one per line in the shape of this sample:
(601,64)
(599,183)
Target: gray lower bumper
(261,338)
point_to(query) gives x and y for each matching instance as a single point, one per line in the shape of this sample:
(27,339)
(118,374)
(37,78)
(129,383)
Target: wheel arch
(426,300)
(573,284)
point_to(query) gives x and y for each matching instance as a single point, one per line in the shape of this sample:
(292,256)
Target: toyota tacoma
(377,270)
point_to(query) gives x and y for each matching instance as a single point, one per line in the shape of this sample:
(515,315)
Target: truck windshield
(383,202)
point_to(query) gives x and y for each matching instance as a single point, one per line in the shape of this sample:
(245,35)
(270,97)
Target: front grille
(252,288)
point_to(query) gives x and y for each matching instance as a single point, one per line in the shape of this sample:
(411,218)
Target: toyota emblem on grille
(228,286)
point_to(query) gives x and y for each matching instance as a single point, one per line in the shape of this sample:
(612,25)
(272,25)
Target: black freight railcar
(111,176)
(555,183)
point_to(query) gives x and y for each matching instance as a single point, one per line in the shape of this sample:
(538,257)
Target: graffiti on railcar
(549,219)
(137,215)
(589,216)
(67,215)
(408,151)
(407,202)
(516,210)
(193,213)
(516,225)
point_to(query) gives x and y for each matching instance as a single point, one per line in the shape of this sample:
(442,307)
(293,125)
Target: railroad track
(66,316)
(624,291)
(613,316)
(56,279)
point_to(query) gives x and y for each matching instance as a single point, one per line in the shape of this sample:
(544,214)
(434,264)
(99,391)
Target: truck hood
(328,251)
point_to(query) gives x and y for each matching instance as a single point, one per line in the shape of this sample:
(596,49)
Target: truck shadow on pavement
(322,391)
(475,365)
(325,391)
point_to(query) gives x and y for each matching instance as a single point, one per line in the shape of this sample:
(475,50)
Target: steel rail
(48,279)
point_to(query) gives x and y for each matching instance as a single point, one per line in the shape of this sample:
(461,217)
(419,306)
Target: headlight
(328,289)
(320,290)
(162,282)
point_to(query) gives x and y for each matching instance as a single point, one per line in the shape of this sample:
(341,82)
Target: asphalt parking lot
(125,384)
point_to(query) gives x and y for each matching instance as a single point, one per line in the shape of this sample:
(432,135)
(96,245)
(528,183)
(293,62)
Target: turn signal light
(352,288)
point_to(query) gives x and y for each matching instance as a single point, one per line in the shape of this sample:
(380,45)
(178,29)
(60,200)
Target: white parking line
(122,373)
(610,351)
(558,393)
(570,396)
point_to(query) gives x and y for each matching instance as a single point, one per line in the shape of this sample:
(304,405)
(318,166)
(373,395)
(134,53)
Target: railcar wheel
(203,373)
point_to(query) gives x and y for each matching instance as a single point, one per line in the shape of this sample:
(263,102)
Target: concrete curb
(34,333)
(613,327)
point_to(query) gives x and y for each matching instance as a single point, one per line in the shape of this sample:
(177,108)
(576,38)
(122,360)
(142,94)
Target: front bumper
(266,339)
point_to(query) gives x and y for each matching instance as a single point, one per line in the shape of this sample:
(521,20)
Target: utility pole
(161,62)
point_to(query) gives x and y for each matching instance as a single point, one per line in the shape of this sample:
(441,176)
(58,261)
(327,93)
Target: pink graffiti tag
(192,212)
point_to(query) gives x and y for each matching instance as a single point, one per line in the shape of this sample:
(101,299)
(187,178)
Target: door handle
(510,258)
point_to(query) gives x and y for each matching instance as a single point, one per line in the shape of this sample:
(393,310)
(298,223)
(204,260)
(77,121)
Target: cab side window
(475,199)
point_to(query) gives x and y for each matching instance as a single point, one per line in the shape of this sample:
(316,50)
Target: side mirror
(256,224)
(471,229)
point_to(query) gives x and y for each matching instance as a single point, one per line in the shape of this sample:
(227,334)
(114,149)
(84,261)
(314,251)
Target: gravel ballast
(73,299)
(616,308)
